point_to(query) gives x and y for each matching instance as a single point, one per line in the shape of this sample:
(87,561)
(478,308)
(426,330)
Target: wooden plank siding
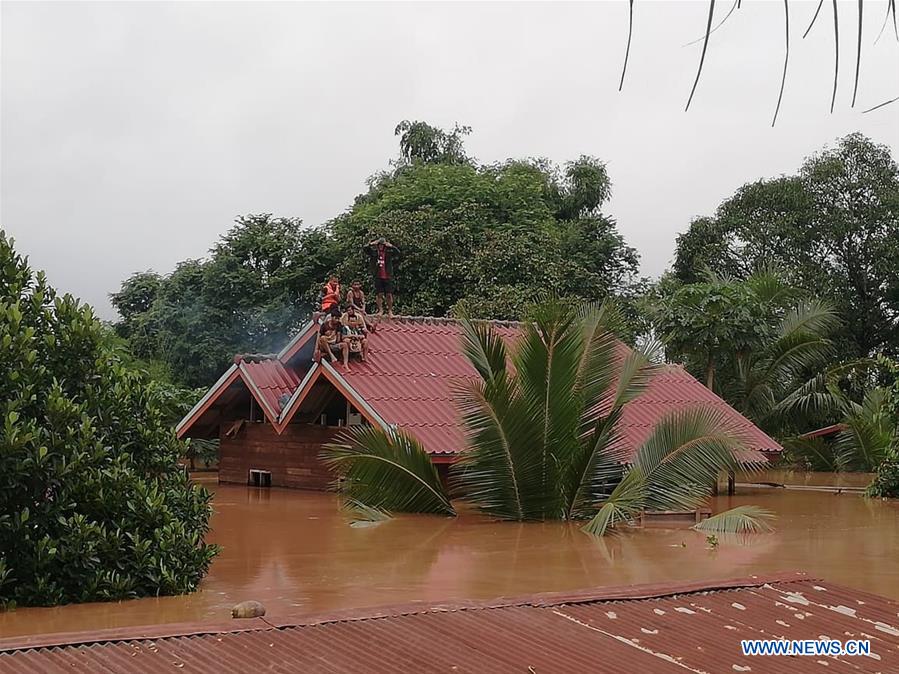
(291,458)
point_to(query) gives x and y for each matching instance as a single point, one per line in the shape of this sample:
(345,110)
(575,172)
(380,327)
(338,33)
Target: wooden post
(731,483)
(715,485)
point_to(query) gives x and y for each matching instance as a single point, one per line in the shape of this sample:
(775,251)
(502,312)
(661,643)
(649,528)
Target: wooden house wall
(291,458)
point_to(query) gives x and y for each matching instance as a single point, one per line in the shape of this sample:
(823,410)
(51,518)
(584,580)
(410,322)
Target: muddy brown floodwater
(295,552)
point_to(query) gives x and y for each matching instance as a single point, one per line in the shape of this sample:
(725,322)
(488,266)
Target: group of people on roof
(344,322)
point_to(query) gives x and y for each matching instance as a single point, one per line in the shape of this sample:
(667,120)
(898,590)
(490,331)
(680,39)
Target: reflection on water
(295,552)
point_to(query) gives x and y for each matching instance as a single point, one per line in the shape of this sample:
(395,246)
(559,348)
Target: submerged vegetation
(93,503)
(543,443)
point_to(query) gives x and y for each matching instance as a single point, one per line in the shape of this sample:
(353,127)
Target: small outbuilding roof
(415,363)
(688,627)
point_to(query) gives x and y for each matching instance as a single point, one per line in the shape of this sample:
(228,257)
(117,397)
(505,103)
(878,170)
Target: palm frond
(767,283)
(891,9)
(812,316)
(814,18)
(630,32)
(733,7)
(741,519)
(812,453)
(386,471)
(547,363)
(674,469)
(783,79)
(858,56)
(836,54)
(501,469)
(624,504)
(880,105)
(869,433)
(484,348)
(811,397)
(681,459)
(596,469)
(705,45)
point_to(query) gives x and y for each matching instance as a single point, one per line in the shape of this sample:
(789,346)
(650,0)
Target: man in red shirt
(381,255)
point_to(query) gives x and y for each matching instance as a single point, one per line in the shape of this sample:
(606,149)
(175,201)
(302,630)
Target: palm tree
(863,442)
(543,433)
(770,383)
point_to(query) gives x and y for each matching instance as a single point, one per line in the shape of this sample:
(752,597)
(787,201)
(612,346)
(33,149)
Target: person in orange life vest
(330,296)
(382,254)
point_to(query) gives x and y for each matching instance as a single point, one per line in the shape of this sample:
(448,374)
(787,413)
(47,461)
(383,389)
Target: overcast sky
(133,134)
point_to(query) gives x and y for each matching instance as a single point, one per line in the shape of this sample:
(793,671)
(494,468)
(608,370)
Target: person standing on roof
(382,254)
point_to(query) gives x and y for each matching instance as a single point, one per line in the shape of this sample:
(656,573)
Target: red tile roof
(691,627)
(271,380)
(414,366)
(674,389)
(409,380)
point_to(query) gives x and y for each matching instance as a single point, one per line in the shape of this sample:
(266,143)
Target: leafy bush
(886,481)
(93,504)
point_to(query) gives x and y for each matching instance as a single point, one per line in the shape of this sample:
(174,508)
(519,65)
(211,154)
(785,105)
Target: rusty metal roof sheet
(688,627)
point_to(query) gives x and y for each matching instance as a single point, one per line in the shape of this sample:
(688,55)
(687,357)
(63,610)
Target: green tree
(542,434)
(485,239)
(258,283)
(758,342)
(477,239)
(421,142)
(833,228)
(93,504)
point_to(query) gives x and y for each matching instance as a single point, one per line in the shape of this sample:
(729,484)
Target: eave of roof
(833,429)
(297,342)
(266,381)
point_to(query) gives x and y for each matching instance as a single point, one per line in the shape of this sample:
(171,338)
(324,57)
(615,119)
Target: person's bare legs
(364,349)
(345,348)
(324,346)
(389,305)
(379,300)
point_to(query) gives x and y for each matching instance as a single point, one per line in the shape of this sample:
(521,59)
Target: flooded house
(273,413)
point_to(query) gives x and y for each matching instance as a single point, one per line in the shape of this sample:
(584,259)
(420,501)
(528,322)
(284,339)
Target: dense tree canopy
(833,228)
(483,239)
(255,286)
(93,504)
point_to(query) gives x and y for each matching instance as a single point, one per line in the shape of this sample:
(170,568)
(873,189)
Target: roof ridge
(254,357)
(449,320)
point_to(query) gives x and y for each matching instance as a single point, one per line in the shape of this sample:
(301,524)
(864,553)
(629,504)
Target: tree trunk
(710,375)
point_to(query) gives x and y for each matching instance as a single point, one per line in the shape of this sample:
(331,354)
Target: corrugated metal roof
(660,628)
(415,365)
(271,380)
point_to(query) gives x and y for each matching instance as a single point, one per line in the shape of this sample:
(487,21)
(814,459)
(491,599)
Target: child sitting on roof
(355,297)
(355,332)
(330,342)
